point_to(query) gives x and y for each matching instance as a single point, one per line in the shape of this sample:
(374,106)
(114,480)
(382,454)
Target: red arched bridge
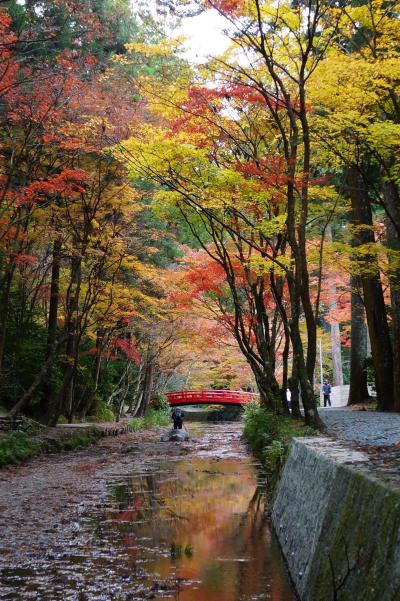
(210,397)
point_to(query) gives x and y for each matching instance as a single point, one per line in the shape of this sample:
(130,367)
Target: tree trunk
(63,401)
(4,307)
(54,293)
(378,328)
(49,384)
(71,349)
(293,383)
(269,391)
(88,405)
(311,416)
(358,392)
(337,369)
(392,202)
(259,359)
(28,395)
(147,388)
(285,359)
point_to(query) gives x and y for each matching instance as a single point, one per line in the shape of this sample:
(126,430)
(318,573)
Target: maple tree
(264,154)
(251,179)
(71,282)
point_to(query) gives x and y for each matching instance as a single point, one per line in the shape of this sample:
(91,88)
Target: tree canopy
(164,224)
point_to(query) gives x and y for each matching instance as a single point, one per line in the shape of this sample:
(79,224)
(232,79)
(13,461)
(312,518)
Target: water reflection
(199,530)
(188,530)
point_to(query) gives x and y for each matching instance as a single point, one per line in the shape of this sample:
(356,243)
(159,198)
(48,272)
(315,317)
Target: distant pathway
(362,427)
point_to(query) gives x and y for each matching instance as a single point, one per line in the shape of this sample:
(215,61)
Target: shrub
(153,418)
(80,439)
(159,402)
(103,412)
(270,435)
(16,446)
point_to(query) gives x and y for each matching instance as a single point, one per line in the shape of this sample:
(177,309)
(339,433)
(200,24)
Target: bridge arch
(210,397)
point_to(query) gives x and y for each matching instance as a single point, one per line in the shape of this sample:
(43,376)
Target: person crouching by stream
(177,417)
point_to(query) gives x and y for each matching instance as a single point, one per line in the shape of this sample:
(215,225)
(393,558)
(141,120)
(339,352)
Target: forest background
(165,225)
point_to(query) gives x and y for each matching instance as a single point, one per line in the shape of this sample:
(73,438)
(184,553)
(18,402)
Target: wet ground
(133,518)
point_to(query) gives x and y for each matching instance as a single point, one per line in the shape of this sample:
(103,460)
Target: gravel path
(362,427)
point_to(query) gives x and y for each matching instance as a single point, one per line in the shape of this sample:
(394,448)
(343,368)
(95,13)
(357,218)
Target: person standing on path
(326,389)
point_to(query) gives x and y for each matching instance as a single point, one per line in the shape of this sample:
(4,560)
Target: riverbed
(134,518)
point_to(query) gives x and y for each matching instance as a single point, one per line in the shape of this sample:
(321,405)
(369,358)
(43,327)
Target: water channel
(190,526)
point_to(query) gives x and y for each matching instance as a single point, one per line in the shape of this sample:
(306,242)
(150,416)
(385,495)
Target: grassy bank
(152,419)
(19,446)
(270,435)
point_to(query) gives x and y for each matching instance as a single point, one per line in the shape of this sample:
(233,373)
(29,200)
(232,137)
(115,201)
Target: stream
(145,520)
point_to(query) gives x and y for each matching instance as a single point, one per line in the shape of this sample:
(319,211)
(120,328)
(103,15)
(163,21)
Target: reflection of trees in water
(249,542)
(252,540)
(173,507)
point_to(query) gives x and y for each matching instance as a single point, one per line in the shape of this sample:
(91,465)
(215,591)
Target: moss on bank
(338,525)
(19,446)
(270,435)
(357,554)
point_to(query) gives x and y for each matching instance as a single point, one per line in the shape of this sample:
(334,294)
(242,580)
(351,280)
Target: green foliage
(274,456)
(269,435)
(111,21)
(103,412)
(80,439)
(369,366)
(25,344)
(31,427)
(158,231)
(153,418)
(159,402)
(17,446)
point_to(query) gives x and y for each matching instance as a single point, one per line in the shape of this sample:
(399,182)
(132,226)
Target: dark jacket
(177,413)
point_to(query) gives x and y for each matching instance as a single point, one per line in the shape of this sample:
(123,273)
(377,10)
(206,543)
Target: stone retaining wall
(338,524)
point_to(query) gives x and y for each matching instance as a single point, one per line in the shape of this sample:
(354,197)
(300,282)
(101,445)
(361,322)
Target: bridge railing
(234,397)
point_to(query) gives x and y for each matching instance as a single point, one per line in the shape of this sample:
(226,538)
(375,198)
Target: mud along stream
(134,518)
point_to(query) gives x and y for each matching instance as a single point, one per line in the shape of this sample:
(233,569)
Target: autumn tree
(356,119)
(71,282)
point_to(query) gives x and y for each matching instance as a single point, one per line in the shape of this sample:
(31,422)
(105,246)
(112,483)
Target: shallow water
(191,529)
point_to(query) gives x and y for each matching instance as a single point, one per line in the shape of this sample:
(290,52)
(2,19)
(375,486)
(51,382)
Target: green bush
(80,439)
(17,446)
(159,402)
(270,435)
(153,418)
(274,456)
(103,412)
